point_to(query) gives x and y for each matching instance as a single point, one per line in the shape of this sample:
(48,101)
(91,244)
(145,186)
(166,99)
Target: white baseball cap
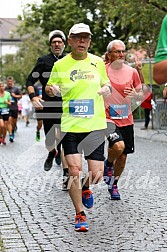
(79,28)
(57,33)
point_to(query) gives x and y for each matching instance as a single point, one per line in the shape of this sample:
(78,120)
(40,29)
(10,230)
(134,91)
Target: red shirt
(147,102)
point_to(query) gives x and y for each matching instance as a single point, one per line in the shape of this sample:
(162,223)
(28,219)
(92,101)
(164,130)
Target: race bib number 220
(81,108)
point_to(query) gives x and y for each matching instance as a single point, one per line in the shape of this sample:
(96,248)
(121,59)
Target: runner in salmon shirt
(126,86)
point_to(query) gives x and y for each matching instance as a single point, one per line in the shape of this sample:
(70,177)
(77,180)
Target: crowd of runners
(81,101)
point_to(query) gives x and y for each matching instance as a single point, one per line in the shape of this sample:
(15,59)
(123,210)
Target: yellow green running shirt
(80,81)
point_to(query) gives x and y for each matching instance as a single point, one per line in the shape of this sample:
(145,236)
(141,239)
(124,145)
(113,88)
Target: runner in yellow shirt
(82,80)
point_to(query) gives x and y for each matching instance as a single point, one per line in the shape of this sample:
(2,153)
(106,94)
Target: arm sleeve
(35,74)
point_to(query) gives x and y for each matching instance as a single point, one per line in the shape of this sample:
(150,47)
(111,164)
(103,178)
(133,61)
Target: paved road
(36,215)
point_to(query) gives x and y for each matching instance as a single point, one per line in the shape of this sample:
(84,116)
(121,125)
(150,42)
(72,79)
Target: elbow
(159,75)
(157,78)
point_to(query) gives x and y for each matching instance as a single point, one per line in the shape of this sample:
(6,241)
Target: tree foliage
(109,19)
(137,23)
(20,64)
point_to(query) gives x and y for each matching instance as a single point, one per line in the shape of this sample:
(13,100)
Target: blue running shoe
(13,135)
(114,192)
(80,223)
(11,138)
(87,198)
(108,174)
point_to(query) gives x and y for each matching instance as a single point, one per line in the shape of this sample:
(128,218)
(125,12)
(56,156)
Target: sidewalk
(149,134)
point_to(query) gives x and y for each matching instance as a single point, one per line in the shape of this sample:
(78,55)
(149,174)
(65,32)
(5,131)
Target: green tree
(124,19)
(137,23)
(20,64)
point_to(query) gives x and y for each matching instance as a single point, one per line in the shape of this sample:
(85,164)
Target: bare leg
(115,151)
(119,166)
(75,167)
(95,169)
(39,125)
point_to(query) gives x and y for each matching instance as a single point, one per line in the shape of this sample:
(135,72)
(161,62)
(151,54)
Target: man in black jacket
(49,108)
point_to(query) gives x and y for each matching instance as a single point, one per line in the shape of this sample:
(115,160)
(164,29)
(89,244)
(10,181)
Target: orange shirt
(118,107)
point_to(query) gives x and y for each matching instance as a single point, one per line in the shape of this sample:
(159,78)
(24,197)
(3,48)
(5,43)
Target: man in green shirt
(160,66)
(81,79)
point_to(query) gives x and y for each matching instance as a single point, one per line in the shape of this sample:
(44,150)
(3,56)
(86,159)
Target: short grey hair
(113,42)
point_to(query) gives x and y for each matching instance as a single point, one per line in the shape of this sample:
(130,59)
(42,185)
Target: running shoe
(108,174)
(38,136)
(3,141)
(13,134)
(27,123)
(0,140)
(80,223)
(49,162)
(114,192)
(11,139)
(144,128)
(58,158)
(87,198)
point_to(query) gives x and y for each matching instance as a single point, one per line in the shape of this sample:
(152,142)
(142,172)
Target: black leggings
(49,129)
(147,116)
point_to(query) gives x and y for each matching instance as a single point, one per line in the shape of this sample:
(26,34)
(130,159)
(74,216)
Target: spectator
(146,105)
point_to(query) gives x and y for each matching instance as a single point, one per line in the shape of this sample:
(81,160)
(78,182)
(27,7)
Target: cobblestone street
(37,216)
